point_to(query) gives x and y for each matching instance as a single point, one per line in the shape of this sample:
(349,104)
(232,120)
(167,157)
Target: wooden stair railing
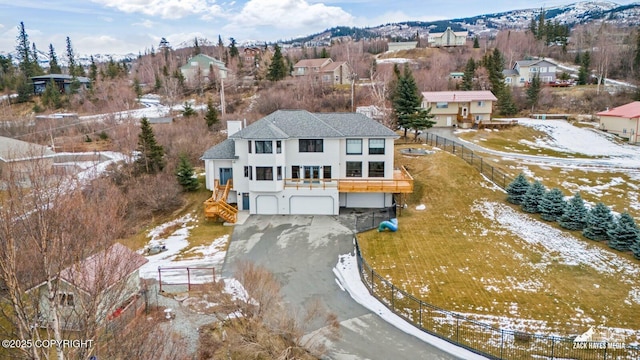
(216,205)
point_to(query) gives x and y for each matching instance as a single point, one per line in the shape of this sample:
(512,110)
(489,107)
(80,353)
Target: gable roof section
(104,269)
(16,150)
(284,124)
(333,66)
(532,62)
(458,96)
(81,79)
(628,111)
(204,61)
(225,150)
(304,63)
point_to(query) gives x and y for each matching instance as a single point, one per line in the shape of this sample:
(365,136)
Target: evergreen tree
(188,110)
(23,52)
(324,53)
(420,120)
(137,88)
(495,64)
(51,96)
(540,34)
(636,58)
(533,91)
(150,155)
(469,74)
(635,248)
(277,68)
(211,116)
(196,47)
(583,71)
(185,175)
(37,70)
(533,27)
(624,234)
(517,189)
(599,221)
(158,83)
(71,58)
(575,214)
(407,100)
(93,70)
(533,197)
(233,50)
(54,67)
(476,43)
(552,205)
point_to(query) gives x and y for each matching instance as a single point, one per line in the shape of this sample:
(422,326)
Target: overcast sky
(131,26)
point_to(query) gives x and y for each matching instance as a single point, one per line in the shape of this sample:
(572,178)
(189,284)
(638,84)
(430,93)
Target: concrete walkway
(302,251)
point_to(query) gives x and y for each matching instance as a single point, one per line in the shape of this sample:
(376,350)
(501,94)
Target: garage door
(311,205)
(365,200)
(266,204)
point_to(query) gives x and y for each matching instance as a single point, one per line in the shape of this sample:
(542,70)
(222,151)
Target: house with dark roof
(324,70)
(62,82)
(623,121)
(104,284)
(523,72)
(459,108)
(297,162)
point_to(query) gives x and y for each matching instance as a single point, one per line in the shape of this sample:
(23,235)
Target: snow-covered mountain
(83,59)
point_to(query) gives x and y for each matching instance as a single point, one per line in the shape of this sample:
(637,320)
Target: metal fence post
(188,279)
(457,329)
(471,157)
(160,278)
(504,180)
(372,282)
(420,313)
(502,343)
(553,346)
(393,307)
(480,165)
(492,174)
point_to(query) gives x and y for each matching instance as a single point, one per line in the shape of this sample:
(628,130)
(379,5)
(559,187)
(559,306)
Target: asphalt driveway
(302,251)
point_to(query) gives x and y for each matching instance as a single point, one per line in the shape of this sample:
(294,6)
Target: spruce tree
(407,100)
(552,205)
(93,70)
(150,155)
(635,248)
(233,49)
(185,175)
(517,189)
(23,52)
(476,43)
(469,74)
(54,67)
(583,71)
(277,68)
(188,110)
(211,116)
(51,96)
(624,234)
(575,214)
(71,58)
(533,91)
(533,197)
(599,221)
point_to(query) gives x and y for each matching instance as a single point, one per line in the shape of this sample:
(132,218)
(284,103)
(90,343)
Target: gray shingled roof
(223,150)
(284,124)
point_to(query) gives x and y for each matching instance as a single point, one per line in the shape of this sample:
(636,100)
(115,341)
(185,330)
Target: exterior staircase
(216,206)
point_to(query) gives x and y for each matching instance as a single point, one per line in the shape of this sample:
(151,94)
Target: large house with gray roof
(297,162)
(523,72)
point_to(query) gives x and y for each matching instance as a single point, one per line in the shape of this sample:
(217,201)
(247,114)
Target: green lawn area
(459,259)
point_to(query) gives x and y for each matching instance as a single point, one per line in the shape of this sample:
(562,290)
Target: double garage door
(298,205)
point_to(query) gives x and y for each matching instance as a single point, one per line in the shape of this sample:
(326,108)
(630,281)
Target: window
(264,147)
(354,169)
(249,143)
(66,299)
(376,168)
(442,105)
(376,146)
(279,173)
(534,69)
(311,145)
(264,173)
(326,172)
(326,78)
(246,171)
(354,146)
(295,172)
(278,146)
(480,103)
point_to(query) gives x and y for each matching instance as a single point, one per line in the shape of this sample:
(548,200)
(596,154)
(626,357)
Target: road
(302,251)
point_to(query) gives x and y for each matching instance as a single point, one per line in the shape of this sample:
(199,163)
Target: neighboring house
(297,162)
(623,121)
(402,45)
(105,283)
(325,70)
(448,38)
(63,82)
(459,108)
(523,72)
(20,159)
(250,54)
(374,112)
(201,66)
(456,76)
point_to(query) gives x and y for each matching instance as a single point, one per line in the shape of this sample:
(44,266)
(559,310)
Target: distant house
(62,81)
(623,121)
(201,66)
(20,159)
(402,45)
(523,72)
(250,54)
(324,70)
(456,76)
(106,282)
(374,112)
(448,38)
(461,108)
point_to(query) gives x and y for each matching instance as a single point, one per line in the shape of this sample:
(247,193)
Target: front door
(225,175)
(312,172)
(245,201)
(465,112)
(449,121)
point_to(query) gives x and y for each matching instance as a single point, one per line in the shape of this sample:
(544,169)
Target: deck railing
(402,182)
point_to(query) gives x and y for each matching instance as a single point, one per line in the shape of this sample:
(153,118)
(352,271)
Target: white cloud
(291,14)
(167,9)
(146,23)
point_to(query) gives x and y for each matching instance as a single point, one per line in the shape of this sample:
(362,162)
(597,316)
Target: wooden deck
(496,124)
(402,182)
